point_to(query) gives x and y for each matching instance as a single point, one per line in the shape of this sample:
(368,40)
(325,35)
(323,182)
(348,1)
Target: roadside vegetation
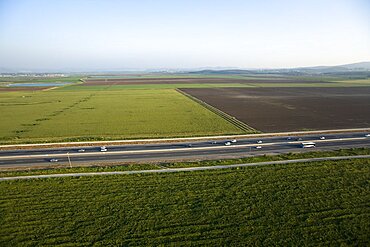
(296,204)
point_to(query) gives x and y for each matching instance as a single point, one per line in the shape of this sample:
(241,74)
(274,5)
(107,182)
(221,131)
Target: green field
(104,115)
(80,113)
(321,203)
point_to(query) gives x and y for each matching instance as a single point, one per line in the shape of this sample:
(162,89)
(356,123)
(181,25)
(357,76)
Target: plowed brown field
(291,109)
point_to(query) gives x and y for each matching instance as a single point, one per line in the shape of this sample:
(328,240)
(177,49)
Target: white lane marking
(172,149)
(198,138)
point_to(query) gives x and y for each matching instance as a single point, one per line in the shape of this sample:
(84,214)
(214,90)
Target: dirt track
(291,109)
(141,81)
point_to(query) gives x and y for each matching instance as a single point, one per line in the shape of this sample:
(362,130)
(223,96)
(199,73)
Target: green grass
(104,115)
(320,203)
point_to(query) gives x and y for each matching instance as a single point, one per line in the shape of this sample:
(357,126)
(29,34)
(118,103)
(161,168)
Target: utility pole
(69,160)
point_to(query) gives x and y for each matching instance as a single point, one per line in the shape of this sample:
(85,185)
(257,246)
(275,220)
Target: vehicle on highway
(259,141)
(322,137)
(227,143)
(367,135)
(103,149)
(213,142)
(190,145)
(53,160)
(81,150)
(289,138)
(308,144)
(233,141)
(258,147)
(299,139)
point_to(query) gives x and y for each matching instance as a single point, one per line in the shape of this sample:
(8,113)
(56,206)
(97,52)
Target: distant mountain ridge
(361,68)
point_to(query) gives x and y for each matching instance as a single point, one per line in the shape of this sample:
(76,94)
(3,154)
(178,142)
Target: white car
(322,137)
(227,143)
(81,150)
(259,142)
(367,135)
(258,147)
(103,149)
(53,160)
(233,141)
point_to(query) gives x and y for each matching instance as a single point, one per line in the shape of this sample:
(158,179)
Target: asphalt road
(179,151)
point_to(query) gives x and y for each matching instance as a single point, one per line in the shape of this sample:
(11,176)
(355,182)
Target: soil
(292,108)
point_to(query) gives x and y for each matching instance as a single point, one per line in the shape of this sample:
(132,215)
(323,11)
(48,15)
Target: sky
(181,34)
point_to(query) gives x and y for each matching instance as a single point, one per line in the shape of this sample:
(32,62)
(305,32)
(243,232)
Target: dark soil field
(291,109)
(143,81)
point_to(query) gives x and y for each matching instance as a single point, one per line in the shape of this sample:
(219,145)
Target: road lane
(202,150)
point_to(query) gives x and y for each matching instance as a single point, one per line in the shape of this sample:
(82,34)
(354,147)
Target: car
(233,141)
(213,142)
(289,138)
(81,150)
(259,141)
(299,139)
(367,135)
(103,149)
(322,137)
(227,143)
(189,145)
(258,147)
(53,160)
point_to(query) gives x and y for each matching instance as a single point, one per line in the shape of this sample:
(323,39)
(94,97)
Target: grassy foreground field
(298,204)
(103,115)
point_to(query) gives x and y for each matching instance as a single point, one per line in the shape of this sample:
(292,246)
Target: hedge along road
(187,169)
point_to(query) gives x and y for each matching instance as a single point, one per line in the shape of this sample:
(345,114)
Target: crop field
(136,81)
(288,205)
(150,107)
(225,80)
(290,109)
(103,115)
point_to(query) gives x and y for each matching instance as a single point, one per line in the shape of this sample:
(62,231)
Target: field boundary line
(234,121)
(187,169)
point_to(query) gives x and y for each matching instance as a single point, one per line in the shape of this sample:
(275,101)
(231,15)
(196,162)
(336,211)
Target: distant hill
(362,65)
(361,69)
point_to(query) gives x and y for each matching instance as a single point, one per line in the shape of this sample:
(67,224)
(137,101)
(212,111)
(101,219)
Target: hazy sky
(108,34)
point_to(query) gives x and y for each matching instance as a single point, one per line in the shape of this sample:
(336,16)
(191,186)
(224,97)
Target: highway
(196,150)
